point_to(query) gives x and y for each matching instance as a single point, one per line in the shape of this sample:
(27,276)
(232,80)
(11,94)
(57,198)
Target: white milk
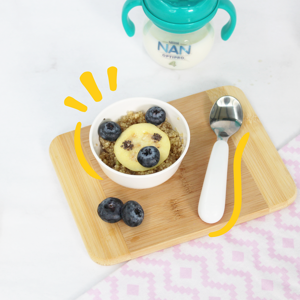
(177,51)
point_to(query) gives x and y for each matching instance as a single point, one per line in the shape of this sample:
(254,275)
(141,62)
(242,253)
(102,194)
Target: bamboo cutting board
(171,208)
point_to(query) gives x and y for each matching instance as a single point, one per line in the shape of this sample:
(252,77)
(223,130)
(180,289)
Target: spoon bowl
(226,117)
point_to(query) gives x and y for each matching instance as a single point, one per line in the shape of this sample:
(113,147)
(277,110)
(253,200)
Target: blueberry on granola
(109,131)
(155,115)
(148,156)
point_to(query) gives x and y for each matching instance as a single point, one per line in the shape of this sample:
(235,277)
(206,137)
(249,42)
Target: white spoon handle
(213,194)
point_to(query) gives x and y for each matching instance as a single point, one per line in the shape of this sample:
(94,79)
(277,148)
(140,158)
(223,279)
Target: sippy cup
(178,33)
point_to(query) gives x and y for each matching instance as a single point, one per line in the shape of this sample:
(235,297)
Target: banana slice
(134,138)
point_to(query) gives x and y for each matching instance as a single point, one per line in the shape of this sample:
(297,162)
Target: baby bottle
(178,33)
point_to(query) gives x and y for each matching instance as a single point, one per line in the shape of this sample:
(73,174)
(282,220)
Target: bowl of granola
(139,142)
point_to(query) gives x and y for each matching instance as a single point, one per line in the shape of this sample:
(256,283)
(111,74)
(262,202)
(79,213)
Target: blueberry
(155,115)
(148,156)
(132,214)
(109,131)
(109,210)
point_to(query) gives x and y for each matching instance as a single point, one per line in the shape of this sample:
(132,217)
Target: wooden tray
(171,208)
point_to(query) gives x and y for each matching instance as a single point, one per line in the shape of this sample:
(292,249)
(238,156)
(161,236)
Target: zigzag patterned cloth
(257,260)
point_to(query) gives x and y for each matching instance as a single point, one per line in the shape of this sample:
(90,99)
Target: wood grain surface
(171,209)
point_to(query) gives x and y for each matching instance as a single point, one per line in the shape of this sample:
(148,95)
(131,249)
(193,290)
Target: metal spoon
(226,117)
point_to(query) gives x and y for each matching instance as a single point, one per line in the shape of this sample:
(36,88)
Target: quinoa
(107,154)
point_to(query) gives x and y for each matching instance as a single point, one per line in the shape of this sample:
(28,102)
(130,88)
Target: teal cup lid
(180,11)
(180,16)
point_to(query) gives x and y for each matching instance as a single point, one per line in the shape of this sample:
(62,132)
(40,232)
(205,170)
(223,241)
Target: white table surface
(45,47)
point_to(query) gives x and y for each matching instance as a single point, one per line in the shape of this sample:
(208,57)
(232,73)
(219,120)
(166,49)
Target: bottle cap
(181,11)
(180,16)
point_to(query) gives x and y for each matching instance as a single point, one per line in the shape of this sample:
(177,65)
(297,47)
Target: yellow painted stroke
(237,186)
(80,154)
(112,78)
(89,83)
(71,102)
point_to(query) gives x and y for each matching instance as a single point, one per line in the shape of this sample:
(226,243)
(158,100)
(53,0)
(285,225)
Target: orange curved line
(80,154)
(237,187)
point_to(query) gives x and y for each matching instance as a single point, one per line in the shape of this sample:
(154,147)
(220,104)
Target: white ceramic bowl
(120,108)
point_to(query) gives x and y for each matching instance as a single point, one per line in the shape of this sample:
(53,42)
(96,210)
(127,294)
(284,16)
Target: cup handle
(228,29)
(127,23)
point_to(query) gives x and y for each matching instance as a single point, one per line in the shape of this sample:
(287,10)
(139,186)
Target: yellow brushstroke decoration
(73,103)
(80,154)
(237,186)
(89,83)
(112,78)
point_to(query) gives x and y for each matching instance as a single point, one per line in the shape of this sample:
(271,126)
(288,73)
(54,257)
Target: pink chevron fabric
(257,260)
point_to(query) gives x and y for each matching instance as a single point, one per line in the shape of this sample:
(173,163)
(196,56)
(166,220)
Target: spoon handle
(212,200)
